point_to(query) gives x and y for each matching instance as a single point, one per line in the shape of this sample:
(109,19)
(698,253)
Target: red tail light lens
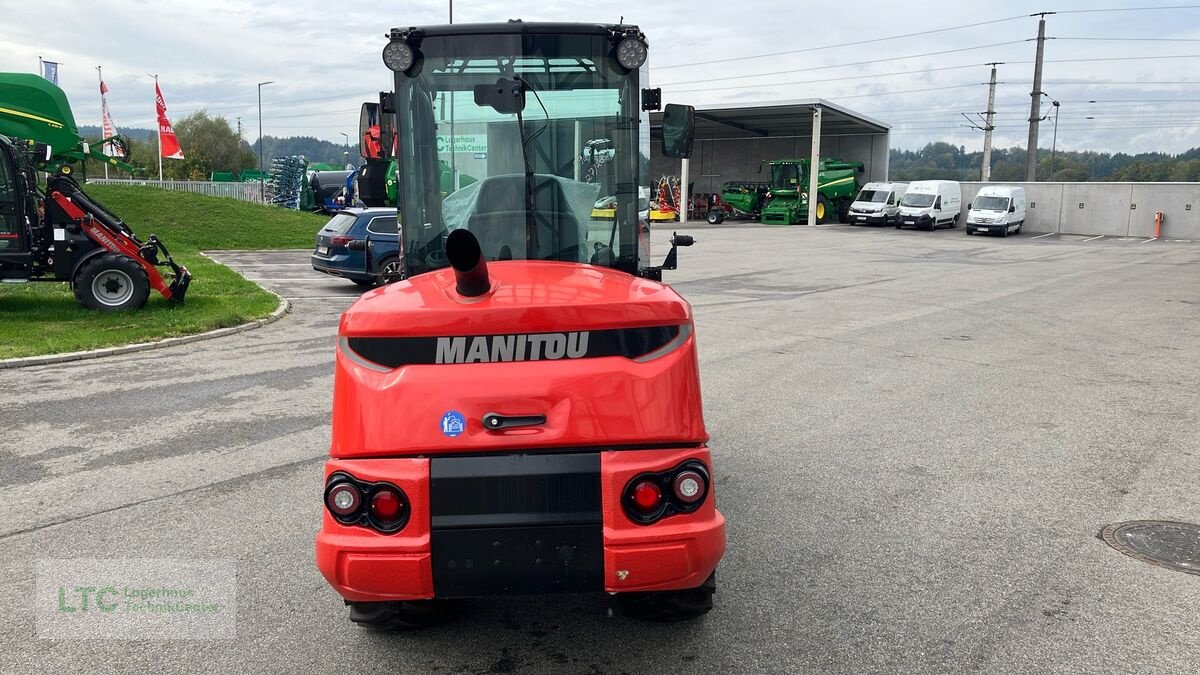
(386,505)
(647,497)
(339,241)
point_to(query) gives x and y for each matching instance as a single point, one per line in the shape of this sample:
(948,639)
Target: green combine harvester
(783,200)
(787,198)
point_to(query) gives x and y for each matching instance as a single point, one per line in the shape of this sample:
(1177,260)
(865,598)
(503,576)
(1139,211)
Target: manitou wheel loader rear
(521,413)
(59,233)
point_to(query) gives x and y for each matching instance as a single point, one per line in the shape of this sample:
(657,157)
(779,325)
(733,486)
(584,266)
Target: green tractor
(787,197)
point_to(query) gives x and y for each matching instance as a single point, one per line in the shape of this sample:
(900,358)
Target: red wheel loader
(521,412)
(58,233)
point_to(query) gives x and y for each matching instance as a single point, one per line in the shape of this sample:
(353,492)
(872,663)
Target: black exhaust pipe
(470,269)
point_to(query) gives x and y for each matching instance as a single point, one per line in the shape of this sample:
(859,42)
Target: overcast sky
(209,54)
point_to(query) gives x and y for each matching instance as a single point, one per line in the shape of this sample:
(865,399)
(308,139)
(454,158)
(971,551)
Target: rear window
(341,223)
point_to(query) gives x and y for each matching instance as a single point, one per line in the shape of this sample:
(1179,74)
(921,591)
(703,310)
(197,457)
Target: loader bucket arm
(110,232)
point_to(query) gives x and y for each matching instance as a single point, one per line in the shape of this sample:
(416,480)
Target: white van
(930,204)
(877,204)
(998,209)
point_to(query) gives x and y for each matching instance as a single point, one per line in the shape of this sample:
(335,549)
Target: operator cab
(491,121)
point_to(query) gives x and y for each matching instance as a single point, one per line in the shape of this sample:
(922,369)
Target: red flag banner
(108,129)
(170,144)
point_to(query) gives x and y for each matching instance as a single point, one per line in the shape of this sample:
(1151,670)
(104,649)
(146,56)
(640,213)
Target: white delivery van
(997,209)
(930,204)
(877,204)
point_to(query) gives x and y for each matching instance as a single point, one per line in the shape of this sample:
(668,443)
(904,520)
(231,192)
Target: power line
(840,45)
(1125,9)
(844,65)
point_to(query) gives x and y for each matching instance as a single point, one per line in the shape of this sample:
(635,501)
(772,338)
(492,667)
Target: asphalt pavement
(917,438)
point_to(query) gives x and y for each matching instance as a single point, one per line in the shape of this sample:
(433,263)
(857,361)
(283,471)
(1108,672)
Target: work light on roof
(398,56)
(631,53)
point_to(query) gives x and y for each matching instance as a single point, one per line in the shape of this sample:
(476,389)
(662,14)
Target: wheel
(112,282)
(390,268)
(366,283)
(824,209)
(954,223)
(843,211)
(716,216)
(1019,225)
(969,231)
(682,605)
(392,616)
(1004,231)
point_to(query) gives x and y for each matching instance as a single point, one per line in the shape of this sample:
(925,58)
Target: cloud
(210,55)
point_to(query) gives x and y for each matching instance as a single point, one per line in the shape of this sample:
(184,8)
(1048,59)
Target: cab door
(14,237)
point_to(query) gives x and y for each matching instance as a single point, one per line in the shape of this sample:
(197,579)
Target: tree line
(950,162)
(210,144)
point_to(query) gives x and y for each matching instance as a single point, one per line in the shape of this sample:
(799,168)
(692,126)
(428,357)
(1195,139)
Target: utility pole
(262,183)
(986,174)
(1035,107)
(1054,143)
(239,120)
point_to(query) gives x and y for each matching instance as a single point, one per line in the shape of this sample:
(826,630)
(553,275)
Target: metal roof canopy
(779,119)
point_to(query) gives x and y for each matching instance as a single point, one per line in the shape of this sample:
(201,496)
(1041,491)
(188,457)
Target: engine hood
(526,297)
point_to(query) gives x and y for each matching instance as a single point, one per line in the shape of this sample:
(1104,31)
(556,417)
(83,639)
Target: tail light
(379,506)
(649,497)
(339,240)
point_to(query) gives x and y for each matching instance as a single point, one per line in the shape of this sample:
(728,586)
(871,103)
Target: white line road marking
(249,264)
(1048,234)
(1182,241)
(1126,239)
(1094,238)
(1149,240)
(324,297)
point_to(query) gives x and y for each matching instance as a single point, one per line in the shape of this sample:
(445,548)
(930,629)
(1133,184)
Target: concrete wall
(715,161)
(1113,209)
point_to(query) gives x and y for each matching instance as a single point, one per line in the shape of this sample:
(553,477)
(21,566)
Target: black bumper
(516,524)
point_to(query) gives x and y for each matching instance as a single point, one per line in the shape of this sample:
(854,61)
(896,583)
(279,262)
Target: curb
(282,308)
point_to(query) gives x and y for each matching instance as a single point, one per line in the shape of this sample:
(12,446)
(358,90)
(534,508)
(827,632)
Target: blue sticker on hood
(453,423)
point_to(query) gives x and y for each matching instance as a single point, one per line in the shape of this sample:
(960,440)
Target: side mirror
(43,152)
(357,244)
(968,206)
(1012,209)
(682,239)
(678,131)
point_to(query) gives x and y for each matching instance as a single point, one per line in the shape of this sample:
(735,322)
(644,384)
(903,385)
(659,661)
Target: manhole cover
(1175,546)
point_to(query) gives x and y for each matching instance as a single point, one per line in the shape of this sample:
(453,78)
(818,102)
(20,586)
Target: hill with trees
(949,162)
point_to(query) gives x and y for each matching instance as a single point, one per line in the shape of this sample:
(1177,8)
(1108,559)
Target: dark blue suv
(377,226)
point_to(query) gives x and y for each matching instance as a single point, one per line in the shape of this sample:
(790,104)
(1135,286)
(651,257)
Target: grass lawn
(44,318)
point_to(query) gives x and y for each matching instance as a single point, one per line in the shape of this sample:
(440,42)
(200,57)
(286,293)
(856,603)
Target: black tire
(366,283)
(1004,231)
(111,282)
(390,266)
(716,217)
(395,616)
(824,210)
(684,605)
(843,211)
(954,223)
(1019,226)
